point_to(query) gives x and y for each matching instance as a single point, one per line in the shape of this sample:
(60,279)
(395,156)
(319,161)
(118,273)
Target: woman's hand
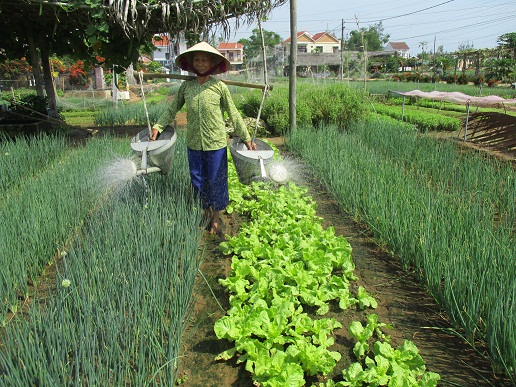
(250,145)
(153,135)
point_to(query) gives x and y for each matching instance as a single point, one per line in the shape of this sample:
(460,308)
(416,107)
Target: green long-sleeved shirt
(205,107)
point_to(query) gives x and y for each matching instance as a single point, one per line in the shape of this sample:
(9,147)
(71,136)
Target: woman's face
(202,62)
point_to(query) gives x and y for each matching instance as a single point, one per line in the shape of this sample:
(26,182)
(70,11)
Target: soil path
(401,303)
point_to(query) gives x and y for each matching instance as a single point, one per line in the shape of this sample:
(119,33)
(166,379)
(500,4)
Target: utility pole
(342,52)
(293,64)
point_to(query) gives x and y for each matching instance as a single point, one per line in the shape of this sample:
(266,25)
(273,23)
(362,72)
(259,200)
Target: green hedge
(424,121)
(334,103)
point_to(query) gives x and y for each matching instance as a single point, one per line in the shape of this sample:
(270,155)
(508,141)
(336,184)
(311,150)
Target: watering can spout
(262,169)
(144,158)
(148,170)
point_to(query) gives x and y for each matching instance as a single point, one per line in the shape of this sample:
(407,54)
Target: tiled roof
(230,46)
(160,40)
(301,33)
(319,35)
(399,45)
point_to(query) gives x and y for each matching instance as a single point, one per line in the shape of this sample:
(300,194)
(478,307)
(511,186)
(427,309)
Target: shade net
(457,97)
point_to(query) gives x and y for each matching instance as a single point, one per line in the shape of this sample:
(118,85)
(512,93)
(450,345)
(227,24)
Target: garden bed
(401,302)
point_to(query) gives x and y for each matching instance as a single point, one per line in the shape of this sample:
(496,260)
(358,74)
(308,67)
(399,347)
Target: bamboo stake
(189,77)
(292,63)
(140,76)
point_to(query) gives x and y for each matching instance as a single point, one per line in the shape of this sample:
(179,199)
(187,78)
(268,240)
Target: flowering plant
(77,75)
(11,68)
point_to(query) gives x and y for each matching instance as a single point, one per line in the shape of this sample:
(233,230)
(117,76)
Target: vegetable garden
(122,269)
(102,294)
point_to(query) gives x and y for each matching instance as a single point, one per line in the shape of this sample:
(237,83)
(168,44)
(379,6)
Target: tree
(500,69)
(391,63)
(423,46)
(507,42)
(35,32)
(465,51)
(374,39)
(117,30)
(253,45)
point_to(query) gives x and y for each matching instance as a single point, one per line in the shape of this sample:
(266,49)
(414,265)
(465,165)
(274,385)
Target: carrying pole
(189,77)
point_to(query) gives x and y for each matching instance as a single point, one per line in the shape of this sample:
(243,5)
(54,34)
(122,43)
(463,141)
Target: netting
(457,97)
(84,103)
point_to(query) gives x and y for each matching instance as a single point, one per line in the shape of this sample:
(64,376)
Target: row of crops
(447,213)
(422,120)
(114,309)
(113,269)
(125,261)
(284,264)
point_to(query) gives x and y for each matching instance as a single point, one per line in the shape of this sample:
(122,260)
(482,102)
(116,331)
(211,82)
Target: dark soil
(402,302)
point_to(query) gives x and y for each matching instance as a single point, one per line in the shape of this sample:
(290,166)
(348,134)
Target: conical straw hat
(184,60)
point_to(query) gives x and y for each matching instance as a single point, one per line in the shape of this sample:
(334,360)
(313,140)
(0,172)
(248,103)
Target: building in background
(322,42)
(234,52)
(166,50)
(399,48)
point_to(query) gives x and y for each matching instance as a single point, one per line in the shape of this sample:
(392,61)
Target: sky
(447,23)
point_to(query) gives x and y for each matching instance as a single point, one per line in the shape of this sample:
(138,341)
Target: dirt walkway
(402,303)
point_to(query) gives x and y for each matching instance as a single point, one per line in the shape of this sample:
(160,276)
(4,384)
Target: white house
(400,48)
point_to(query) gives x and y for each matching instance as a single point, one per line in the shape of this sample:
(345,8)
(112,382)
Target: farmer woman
(206,100)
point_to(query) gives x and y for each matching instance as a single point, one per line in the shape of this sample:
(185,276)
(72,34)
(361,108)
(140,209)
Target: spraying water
(117,174)
(278,173)
(286,169)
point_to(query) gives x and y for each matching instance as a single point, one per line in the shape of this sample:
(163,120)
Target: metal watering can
(157,155)
(250,164)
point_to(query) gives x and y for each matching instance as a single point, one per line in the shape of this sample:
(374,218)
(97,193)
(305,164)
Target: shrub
(491,82)
(275,110)
(426,78)
(415,77)
(329,104)
(333,104)
(462,79)
(154,67)
(9,69)
(77,75)
(478,80)
(451,79)
(27,104)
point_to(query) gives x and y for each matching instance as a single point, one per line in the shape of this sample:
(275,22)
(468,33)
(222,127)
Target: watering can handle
(140,75)
(264,93)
